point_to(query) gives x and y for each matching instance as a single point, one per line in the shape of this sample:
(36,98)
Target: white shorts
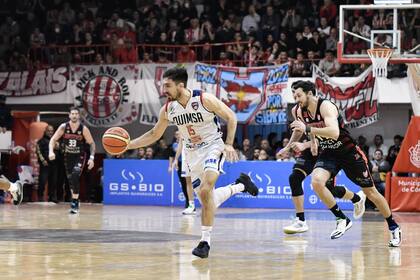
(210,157)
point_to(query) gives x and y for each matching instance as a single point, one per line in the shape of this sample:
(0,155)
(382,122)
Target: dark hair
(380,136)
(74,108)
(177,74)
(306,86)
(379,150)
(398,137)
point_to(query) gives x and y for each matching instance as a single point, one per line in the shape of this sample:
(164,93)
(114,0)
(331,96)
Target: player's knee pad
(295,181)
(75,179)
(337,191)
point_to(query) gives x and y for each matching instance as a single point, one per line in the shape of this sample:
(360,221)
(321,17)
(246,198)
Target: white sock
(223,193)
(191,203)
(13,187)
(205,233)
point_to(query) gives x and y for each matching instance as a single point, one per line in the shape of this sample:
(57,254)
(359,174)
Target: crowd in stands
(261,32)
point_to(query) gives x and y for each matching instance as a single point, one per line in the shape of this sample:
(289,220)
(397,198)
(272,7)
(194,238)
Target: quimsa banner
(105,94)
(254,94)
(34,82)
(356,101)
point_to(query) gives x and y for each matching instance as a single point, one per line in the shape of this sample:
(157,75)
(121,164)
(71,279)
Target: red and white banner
(356,101)
(105,94)
(34,82)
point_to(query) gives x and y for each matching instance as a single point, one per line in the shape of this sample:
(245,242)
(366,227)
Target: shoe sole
(364,208)
(290,231)
(347,228)
(203,257)
(20,198)
(189,214)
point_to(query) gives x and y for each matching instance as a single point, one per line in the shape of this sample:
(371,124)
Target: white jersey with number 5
(197,125)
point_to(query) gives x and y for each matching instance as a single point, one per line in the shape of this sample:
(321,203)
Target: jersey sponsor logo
(415,154)
(194,105)
(188,118)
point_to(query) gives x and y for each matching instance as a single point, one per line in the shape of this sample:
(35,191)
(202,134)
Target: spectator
(6,119)
(9,29)
(263,155)
(361,142)
(149,153)
(301,43)
(394,150)
(265,145)
(361,28)
(152,32)
(174,33)
(270,23)
(128,54)
(37,38)
(316,44)
(379,169)
(206,32)
(328,11)
(291,21)
(379,20)
(251,21)
(45,174)
(192,34)
(163,151)
(141,153)
(378,143)
(185,54)
(324,30)
(331,41)
(67,15)
(329,64)
(354,45)
(225,32)
(307,32)
(246,149)
(298,67)
(256,154)
(146,58)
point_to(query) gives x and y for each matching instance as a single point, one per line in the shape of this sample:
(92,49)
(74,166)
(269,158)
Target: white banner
(105,94)
(151,97)
(356,101)
(34,82)
(413,74)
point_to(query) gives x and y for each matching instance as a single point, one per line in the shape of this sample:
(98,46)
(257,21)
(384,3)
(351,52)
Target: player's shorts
(210,157)
(72,161)
(354,163)
(305,163)
(185,172)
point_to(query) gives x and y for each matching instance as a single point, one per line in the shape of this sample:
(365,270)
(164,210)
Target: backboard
(363,27)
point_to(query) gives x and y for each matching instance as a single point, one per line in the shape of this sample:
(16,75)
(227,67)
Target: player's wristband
(91,157)
(307,129)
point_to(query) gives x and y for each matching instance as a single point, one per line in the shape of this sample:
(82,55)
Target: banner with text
(105,94)
(34,82)
(356,101)
(254,94)
(135,182)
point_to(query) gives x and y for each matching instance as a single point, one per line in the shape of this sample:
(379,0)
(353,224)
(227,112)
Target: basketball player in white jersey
(195,113)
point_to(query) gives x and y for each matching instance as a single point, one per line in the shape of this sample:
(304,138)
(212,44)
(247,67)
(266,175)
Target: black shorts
(305,163)
(354,163)
(73,160)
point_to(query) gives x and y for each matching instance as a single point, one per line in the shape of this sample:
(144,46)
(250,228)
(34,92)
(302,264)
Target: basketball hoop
(380,59)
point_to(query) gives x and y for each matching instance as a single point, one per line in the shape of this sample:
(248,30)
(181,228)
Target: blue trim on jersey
(196,92)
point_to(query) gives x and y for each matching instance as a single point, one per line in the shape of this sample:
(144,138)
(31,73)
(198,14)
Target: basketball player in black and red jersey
(74,135)
(304,166)
(337,151)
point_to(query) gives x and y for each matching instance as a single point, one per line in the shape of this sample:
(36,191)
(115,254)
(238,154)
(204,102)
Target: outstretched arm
(152,135)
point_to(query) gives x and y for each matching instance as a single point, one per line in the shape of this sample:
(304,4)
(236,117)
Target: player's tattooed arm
(152,135)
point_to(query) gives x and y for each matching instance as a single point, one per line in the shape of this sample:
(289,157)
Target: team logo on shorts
(194,105)
(415,154)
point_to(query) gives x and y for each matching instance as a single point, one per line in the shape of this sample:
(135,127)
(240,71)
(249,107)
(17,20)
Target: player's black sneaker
(202,250)
(250,187)
(74,208)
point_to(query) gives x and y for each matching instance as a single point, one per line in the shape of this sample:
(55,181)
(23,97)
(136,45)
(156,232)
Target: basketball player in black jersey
(304,166)
(337,151)
(74,135)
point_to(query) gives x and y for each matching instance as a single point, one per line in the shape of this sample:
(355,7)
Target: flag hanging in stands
(357,101)
(105,94)
(254,94)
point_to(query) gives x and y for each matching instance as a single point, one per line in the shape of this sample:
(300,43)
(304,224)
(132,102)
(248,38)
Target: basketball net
(380,59)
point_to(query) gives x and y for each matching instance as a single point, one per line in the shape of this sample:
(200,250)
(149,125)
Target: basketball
(115,140)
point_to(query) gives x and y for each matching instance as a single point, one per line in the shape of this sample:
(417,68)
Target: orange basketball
(115,140)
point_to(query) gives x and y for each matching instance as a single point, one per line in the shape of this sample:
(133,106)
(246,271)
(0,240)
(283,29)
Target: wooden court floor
(126,242)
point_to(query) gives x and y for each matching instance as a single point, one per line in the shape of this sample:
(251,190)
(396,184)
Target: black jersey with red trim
(73,141)
(344,142)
